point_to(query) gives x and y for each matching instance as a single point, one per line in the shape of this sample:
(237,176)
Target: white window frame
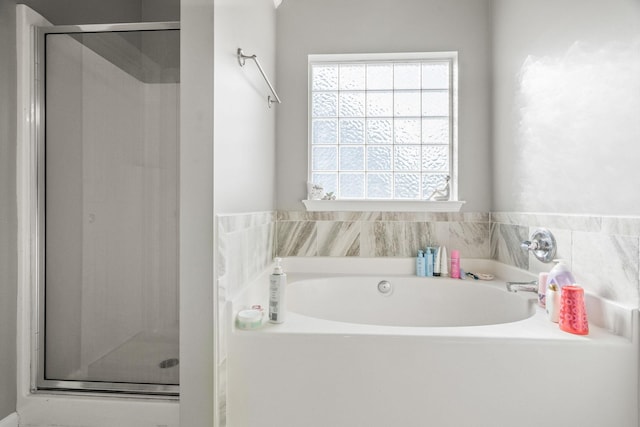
(453,205)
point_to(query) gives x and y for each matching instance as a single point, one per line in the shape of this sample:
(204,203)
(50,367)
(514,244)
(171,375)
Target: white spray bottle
(444,266)
(277,293)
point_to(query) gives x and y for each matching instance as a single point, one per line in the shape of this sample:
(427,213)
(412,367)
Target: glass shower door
(108,288)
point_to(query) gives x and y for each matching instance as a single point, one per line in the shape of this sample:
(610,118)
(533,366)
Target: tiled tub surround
(380,234)
(603,252)
(245,247)
(245,250)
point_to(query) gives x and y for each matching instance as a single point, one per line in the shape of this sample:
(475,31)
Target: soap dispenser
(428,263)
(560,274)
(277,293)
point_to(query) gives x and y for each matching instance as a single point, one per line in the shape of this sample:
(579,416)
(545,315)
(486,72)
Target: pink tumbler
(573,313)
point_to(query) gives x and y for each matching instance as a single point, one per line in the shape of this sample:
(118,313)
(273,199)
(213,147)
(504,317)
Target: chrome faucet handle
(528,245)
(542,244)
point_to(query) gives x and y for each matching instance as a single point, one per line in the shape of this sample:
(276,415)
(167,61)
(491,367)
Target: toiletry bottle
(560,274)
(542,288)
(552,300)
(277,293)
(444,268)
(437,263)
(428,263)
(455,264)
(420,267)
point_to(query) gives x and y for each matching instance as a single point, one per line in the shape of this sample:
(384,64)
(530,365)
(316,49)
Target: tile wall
(602,251)
(380,234)
(245,247)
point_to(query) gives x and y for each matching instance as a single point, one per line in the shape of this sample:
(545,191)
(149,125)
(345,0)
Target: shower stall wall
(107,287)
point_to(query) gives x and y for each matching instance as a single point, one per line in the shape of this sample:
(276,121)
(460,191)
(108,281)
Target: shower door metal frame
(38,382)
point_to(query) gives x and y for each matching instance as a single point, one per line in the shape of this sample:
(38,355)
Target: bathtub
(407,301)
(432,352)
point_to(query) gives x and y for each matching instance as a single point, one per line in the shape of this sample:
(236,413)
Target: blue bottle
(428,263)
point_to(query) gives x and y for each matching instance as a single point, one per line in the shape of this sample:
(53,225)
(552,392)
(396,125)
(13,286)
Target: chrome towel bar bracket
(242,60)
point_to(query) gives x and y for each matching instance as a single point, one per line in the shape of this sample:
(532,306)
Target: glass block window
(381,128)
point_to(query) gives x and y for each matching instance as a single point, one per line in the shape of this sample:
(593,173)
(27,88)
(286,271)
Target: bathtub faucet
(541,244)
(531,286)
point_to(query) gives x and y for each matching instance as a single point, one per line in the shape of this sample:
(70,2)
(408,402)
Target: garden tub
(432,352)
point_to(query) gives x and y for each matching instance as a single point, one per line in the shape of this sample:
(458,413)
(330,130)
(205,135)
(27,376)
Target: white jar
(553,302)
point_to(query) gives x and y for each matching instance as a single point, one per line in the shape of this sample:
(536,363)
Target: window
(381,126)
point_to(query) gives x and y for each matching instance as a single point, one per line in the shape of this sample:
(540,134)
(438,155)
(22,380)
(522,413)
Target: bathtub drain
(384,287)
(169,363)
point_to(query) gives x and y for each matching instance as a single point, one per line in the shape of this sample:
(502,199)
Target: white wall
(366,26)
(244,127)
(244,153)
(566,106)
(226,127)
(197,268)
(8,215)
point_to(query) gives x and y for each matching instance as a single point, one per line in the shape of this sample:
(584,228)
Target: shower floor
(139,360)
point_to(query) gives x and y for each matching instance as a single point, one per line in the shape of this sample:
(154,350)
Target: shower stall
(107,154)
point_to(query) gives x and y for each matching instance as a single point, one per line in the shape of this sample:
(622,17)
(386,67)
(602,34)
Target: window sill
(381,206)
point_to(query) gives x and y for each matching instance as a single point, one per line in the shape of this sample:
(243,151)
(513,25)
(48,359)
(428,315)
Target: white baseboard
(10,420)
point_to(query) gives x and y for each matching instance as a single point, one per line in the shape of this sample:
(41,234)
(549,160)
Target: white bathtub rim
(606,317)
(536,327)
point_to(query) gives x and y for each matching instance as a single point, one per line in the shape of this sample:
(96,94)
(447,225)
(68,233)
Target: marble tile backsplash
(380,234)
(602,251)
